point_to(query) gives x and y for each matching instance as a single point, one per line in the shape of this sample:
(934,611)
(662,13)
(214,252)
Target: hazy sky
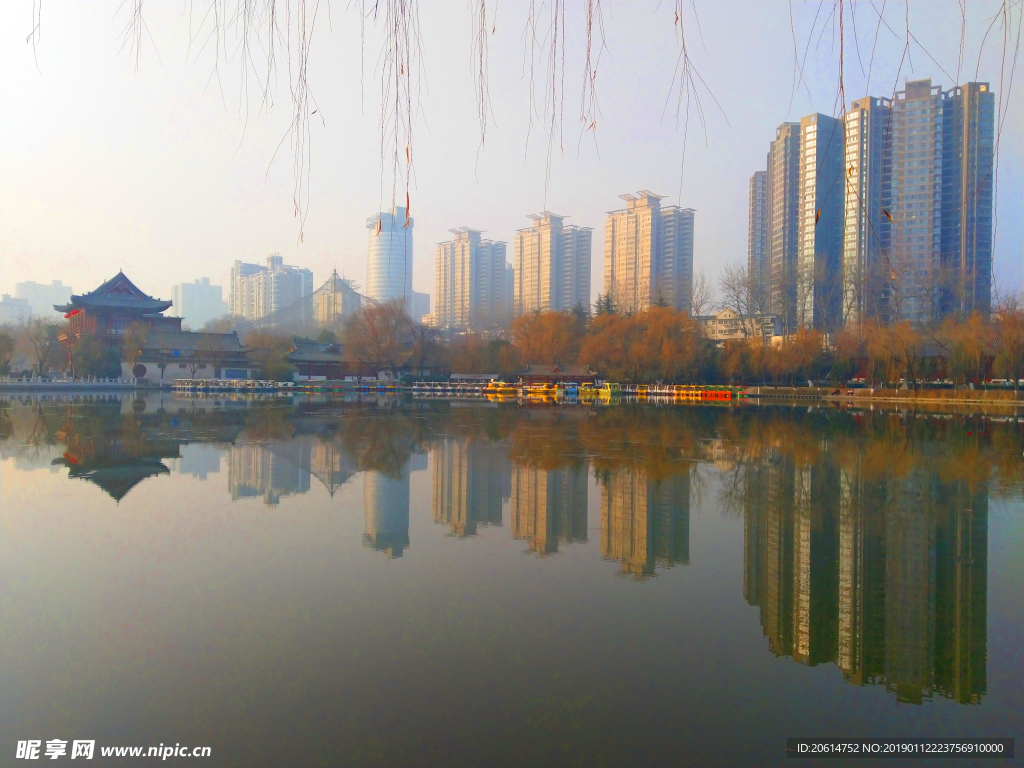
(159,173)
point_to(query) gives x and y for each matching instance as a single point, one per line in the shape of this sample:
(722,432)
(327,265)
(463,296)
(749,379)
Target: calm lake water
(404,583)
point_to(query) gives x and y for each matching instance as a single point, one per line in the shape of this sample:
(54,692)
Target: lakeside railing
(84,382)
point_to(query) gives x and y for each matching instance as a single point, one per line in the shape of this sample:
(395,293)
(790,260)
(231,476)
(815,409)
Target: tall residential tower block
(648,254)
(551,265)
(470,285)
(885,215)
(258,290)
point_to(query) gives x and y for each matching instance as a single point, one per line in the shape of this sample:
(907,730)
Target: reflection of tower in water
(270,470)
(936,578)
(471,480)
(645,523)
(548,507)
(386,507)
(886,577)
(790,549)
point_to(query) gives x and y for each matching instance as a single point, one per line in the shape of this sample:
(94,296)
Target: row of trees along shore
(656,345)
(665,345)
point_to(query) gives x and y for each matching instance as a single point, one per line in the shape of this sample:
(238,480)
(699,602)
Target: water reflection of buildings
(386,507)
(548,507)
(471,482)
(200,459)
(269,470)
(645,523)
(274,470)
(885,577)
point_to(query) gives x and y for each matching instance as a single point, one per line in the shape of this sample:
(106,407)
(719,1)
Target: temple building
(161,352)
(110,309)
(163,356)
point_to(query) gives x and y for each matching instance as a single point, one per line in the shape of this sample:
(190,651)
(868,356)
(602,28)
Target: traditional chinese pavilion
(107,311)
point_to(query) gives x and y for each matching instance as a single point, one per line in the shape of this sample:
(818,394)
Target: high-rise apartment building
(574,285)
(916,174)
(631,251)
(256,291)
(941,200)
(674,283)
(389,258)
(758,263)
(551,265)
(648,254)
(470,285)
(820,222)
(42,297)
(14,311)
(916,204)
(420,306)
(967,198)
(867,229)
(199,302)
(783,190)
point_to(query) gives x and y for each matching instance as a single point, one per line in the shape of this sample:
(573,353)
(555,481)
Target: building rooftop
(316,353)
(189,341)
(116,293)
(535,369)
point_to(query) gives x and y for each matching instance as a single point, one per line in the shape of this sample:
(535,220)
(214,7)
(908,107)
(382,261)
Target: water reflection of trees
(865,534)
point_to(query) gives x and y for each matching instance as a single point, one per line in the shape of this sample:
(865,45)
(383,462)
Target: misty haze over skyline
(161,173)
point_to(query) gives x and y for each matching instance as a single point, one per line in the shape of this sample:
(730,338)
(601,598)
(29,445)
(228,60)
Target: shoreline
(926,397)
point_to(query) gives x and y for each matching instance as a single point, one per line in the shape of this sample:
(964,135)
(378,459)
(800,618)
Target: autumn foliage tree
(379,336)
(269,351)
(7,344)
(40,336)
(1008,340)
(547,337)
(660,344)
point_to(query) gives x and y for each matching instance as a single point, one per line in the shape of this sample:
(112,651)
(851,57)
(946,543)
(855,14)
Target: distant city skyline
(154,172)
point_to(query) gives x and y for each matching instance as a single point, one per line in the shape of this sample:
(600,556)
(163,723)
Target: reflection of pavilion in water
(471,482)
(273,470)
(645,523)
(548,506)
(116,462)
(885,577)
(116,446)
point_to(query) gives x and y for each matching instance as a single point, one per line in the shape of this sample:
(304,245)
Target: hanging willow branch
(250,34)
(687,82)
